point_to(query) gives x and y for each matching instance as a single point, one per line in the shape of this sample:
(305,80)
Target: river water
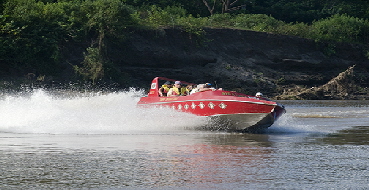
(102,141)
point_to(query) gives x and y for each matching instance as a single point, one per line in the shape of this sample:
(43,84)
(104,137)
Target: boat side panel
(209,107)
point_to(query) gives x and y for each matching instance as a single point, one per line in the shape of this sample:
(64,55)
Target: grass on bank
(337,28)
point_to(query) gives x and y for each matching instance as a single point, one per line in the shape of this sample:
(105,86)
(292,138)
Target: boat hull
(241,122)
(227,110)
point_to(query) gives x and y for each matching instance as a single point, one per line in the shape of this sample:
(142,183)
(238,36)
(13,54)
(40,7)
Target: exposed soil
(280,66)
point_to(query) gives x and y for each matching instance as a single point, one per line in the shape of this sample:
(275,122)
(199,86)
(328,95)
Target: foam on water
(321,120)
(289,124)
(116,113)
(111,113)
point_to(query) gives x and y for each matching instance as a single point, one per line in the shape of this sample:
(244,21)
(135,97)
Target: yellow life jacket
(165,87)
(182,92)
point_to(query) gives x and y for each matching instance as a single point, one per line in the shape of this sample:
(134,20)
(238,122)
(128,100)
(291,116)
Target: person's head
(177,84)
(207,85)
(168,83)
(200,86)
(259,94)
(189,87)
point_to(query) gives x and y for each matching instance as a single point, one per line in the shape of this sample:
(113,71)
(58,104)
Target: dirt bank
(279,66)
(282,67)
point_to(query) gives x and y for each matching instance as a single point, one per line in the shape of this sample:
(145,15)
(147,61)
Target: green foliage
(259,22)
(30,37)
(220,20)
(33,33)
(92,65)
(157,17)
(194,7)
(338,28)
(193,25)
(107,16)
(309,10)
(341,28)
(297,29)
(172,16)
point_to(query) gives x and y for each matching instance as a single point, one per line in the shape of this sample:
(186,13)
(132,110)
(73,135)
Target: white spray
(96,113)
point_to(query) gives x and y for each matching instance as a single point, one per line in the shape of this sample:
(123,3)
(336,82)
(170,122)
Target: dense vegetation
(34,34)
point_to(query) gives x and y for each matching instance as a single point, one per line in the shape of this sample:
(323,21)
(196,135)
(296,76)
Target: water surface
(102,141)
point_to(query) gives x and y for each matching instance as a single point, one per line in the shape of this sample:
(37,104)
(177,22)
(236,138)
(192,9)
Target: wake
(88,113)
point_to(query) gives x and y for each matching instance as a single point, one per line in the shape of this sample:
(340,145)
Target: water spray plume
(87,113)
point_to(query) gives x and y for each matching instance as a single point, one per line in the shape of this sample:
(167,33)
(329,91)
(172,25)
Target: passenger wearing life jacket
(204,87)
(164,89)
(178,90)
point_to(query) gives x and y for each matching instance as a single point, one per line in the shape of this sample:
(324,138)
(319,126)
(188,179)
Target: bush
(297,29)
(92,65)
(33,33)
(193,25)
(257,22)
(341,28)
(220,20)
(157,17)
(30,36)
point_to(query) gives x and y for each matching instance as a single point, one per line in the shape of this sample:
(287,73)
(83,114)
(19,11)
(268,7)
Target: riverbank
(282,67)
(245,61)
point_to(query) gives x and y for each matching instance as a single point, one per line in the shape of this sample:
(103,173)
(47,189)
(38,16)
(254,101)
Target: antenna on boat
(216,85)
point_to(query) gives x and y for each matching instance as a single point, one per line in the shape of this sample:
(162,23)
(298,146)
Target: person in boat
(197,89)
(207,87)
(178,90)
(204,87)
(164,89)
(259,95)
(189,87)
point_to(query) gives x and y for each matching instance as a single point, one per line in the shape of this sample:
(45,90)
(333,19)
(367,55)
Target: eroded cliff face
(244,61)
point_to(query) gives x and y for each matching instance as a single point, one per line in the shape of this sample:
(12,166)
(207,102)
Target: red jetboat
(233,111)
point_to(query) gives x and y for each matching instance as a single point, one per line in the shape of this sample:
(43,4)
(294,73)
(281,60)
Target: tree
(210,8)
(92,65)
(30,36)
(2,3)
(226,5)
